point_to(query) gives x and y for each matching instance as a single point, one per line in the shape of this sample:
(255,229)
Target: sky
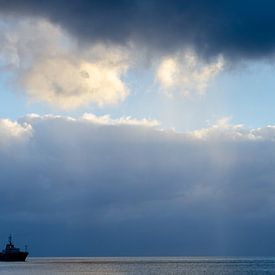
(138,128)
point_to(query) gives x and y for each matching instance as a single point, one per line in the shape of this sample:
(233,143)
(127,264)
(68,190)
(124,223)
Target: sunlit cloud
(92,119)
(49,66)
(13,133)
(107,120)
(69,83)
(186,74)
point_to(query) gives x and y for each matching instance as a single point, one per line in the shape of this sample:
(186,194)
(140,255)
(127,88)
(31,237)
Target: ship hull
(13,257)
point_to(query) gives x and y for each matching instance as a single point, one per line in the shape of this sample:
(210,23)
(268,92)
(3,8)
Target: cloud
(49,66)
(13,133)
(107,120)
(68,83)
(186,73)
(234,29)
(123,181)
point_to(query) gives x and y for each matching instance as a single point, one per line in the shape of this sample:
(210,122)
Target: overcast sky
(138,127)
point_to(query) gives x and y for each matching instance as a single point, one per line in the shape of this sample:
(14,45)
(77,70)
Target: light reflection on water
(141,265)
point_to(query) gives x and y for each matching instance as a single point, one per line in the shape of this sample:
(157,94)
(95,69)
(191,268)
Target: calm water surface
(140,265)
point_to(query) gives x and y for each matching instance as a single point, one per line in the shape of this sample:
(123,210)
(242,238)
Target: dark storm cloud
(134,190)
(233,28)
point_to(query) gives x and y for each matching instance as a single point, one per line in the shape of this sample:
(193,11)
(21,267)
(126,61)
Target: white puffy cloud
(12,133)
(107,120)
(50,66)
(186,73)
(68,83)
(223,130)
(26,40)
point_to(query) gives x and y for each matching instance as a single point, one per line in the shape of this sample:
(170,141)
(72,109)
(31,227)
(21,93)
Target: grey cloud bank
(232,28)
(130,189)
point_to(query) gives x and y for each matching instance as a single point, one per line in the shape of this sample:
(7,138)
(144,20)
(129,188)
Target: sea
(140,265)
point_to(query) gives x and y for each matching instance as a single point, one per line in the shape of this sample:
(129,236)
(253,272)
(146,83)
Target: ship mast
(10,239)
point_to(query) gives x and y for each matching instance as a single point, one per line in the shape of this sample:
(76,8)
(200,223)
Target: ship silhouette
(12,254)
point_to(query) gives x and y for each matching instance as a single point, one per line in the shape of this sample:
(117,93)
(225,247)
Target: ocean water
(141,265)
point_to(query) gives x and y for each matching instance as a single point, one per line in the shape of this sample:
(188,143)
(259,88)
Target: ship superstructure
(12,253)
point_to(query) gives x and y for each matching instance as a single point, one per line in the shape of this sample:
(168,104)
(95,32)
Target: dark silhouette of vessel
(12,254)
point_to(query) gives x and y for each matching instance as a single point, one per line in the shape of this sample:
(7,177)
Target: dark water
(140,265)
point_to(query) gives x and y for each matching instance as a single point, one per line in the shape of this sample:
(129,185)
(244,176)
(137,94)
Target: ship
(12,253)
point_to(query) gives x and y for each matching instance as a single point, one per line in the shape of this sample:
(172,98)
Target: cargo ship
(12,254)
